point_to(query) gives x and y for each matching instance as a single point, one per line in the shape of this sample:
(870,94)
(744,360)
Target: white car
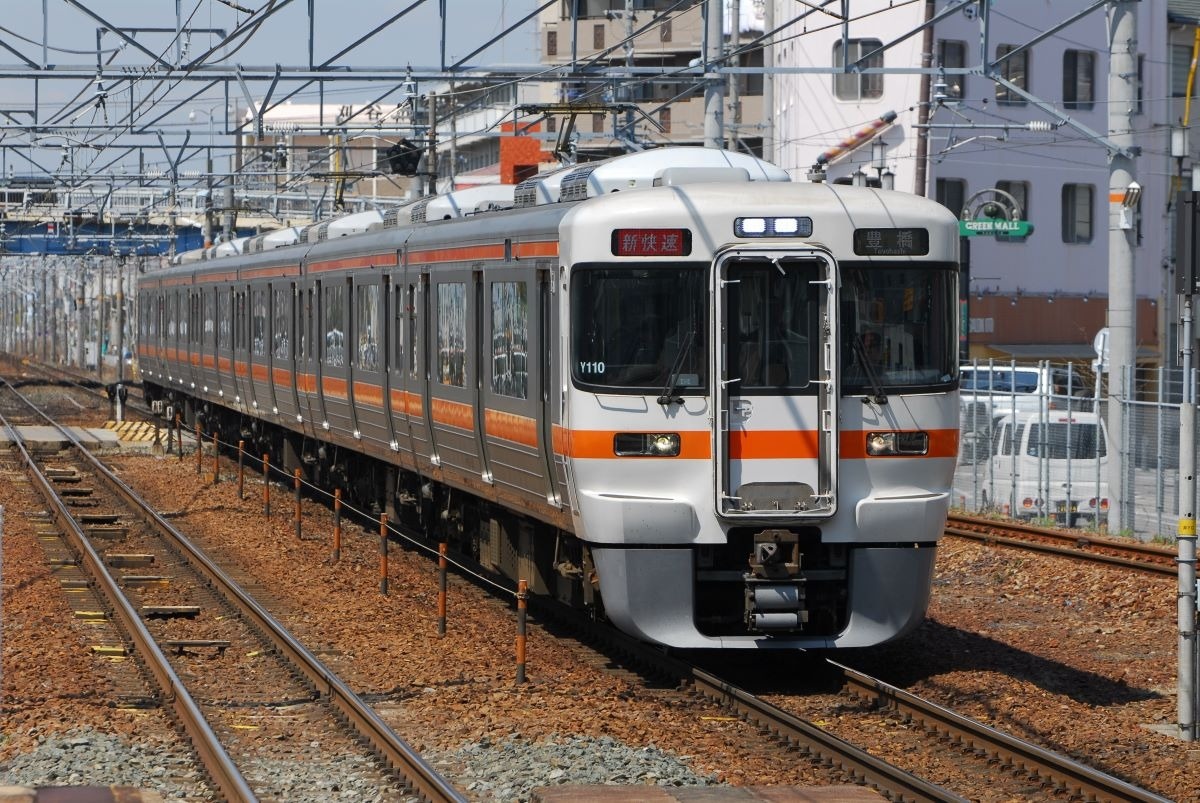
(1051,464)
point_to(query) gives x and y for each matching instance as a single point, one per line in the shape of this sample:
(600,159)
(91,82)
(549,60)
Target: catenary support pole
(714,96)
(1186,534)
(1122,228)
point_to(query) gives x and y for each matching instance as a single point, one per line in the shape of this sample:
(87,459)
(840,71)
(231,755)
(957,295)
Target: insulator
(1041,126)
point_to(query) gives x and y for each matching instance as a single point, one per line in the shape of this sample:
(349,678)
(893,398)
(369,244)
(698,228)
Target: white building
(959,135)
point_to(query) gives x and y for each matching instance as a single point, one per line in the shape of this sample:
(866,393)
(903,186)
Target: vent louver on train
(525,194)
(256,244)
(575,184)
(417,215)
(323,232)
(391,217)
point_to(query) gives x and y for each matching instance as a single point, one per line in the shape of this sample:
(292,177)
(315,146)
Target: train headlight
(773,226)
(646,444)
(883,444)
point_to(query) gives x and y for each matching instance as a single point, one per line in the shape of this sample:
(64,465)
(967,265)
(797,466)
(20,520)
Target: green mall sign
(994,226)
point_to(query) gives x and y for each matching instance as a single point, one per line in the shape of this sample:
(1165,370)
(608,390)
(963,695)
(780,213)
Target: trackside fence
(1033,445)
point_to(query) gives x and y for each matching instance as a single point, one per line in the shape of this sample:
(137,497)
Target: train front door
(776,397)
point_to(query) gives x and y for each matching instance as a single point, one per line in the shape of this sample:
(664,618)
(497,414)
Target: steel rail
(425,780)
(1080,779)
(220,767)
(858,764)
(1159,560)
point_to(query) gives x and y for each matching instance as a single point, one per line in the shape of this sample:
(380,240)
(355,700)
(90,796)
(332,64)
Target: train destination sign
(994,226)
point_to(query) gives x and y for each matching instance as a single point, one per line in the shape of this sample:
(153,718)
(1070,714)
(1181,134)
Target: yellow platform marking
(132,430)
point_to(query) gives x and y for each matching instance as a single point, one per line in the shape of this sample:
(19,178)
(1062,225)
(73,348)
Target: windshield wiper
(877,396)
(668,395)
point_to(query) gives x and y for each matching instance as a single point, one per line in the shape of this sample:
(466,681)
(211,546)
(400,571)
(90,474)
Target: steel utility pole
(1123,195)
(713,94)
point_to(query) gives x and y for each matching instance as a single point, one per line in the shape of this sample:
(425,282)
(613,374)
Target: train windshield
(898,326)
(638,328)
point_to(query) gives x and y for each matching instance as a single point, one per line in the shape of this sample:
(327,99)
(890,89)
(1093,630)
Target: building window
(952,194)
(1141,78)
(598,37)
(1077,213)
(664,119)
(1079,79)
(551,43)
(1181,65)
(664,31)
(1020,191)
(597,123)
(952,54)
(1015,70)
(858,86)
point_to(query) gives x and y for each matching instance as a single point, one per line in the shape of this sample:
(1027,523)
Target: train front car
(761,423)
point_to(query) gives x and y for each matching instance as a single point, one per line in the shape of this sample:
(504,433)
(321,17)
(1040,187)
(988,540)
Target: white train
(716,405)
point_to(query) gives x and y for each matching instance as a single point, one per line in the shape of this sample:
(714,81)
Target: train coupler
(775,594)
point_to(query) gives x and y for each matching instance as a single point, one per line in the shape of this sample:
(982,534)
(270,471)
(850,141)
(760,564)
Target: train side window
(281,313)
(452,333)
(258,322)
(332,305)
(209,303)
(224,319)
(510,339)
(366,326)
(396,355)
(413,312)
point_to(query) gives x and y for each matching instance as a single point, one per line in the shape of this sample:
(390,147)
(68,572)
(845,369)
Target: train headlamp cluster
(773,226)
(884,444)
(646,444)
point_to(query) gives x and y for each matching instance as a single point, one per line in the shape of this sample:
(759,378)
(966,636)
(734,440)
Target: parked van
(989,391)
(1051,464)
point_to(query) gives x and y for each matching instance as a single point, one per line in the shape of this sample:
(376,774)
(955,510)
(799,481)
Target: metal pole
(735,103)
(1122,310)
(1186,535)
(442,589)
(296,515)
(522,606)
(713,95)
(768,96)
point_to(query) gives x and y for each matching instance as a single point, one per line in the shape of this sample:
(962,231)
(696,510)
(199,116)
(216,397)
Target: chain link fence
(1034,445)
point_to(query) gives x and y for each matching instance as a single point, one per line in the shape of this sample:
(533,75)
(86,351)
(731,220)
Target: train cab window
(366,326)
(451,333)
(773,323)
(332,310)
(510,339)
(258,322)
(281,323)
(897,323)
(638,328)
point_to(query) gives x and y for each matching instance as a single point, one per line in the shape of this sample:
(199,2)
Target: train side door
(777,422)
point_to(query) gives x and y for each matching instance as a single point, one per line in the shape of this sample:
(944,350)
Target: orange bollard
(383,567)
(522,604)
(296,514)
(337,524)
(442,589)
(266,485)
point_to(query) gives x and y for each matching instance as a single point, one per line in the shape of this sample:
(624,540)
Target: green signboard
(992,226)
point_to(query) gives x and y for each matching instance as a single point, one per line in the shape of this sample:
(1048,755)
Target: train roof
(671,166)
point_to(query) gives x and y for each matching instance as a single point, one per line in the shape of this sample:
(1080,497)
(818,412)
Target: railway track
(1070,543)
(217,658)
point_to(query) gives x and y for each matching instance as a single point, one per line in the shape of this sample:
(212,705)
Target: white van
(989,391)
(1051,464)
